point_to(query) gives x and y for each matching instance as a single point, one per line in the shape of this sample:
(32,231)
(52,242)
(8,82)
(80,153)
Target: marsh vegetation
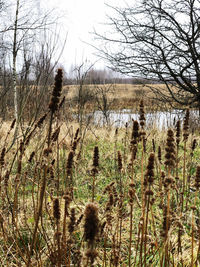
(99,196)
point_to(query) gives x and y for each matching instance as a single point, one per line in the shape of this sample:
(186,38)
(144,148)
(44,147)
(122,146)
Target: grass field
(99,196)
(120,96)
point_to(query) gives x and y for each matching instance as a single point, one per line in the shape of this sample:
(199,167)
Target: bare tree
(158,40)
(103,101)
(23,34)
(84,93)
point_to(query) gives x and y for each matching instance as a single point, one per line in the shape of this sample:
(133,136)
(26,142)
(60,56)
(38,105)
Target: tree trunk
(14,71)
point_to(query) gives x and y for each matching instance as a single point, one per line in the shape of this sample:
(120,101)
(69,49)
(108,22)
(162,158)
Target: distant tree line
(105,76)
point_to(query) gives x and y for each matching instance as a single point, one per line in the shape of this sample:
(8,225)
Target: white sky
(80,18)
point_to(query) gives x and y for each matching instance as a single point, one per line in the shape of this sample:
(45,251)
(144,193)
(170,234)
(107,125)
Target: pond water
(158,119)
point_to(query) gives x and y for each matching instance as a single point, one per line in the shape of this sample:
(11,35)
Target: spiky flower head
(56,209)
(142,117)
(91,225)
(72,221)
(119,159)
(159,154)
(95,160)
(186,125)
(70,163)
(178,132)
(170,150)
(96,157)
(53,106)
(149,176)
(135,133)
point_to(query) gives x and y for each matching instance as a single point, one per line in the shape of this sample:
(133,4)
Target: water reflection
(158,119)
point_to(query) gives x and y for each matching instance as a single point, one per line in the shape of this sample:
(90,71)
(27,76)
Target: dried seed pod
(96,157)
(95,160)
(170,150)
(149,176)
(55,135)
(70,163)
(56,209)
(72,221)
(153,145)
(2,156)
(159,154)
(53,106)
(178,132)
(131,194)
(91,225)
(142,117)
(119,161)
(110,202)
(194,144)
(186,125)
(135,133)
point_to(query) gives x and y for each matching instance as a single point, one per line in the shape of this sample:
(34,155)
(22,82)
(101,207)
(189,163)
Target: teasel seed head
(178,132)
(149,176)
(95,160)
(159,154)
(194,144)
(133,154)
(75,143)
(72,221)
(55,135)
(56,209)
(110,202)
(2,161)
(119,161)
(165,228)
(96,157)
(153,146)
(170,150)
(6,178)
(53,106)
(186,125)
(21,147)
(19,167)
(70,163)
(131,194)
(135,133)
(91,225)
(142,117)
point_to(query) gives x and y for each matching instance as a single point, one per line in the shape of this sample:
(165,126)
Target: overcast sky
(80,17)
